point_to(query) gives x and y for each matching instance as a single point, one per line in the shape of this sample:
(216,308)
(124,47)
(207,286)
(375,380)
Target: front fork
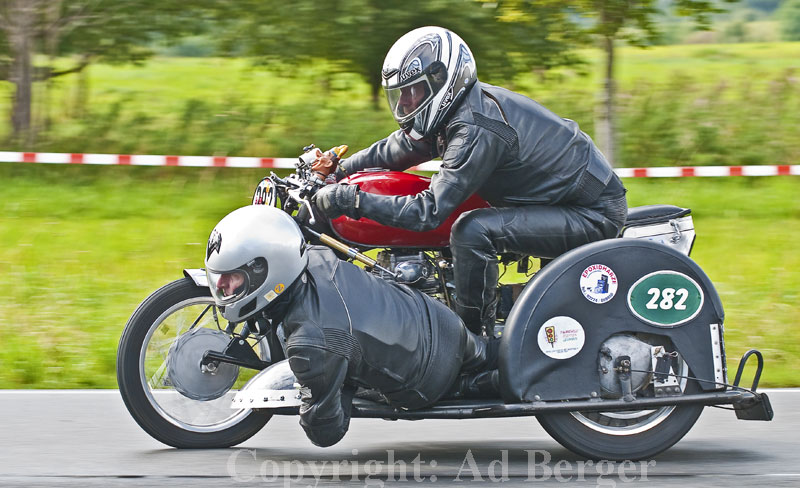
(241,353)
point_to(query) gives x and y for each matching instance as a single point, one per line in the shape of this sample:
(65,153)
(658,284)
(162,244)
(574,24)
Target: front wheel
(161,380)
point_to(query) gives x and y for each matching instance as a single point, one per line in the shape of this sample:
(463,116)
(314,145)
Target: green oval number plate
(665,298)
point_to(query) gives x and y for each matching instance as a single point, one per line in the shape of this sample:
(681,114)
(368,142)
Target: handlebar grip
(302,215)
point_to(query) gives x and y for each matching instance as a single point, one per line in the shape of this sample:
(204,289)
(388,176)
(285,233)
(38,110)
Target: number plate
(265,193)
(665,298)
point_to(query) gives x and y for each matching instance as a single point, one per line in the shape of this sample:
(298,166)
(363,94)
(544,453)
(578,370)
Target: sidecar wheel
(628,436)
(174,403)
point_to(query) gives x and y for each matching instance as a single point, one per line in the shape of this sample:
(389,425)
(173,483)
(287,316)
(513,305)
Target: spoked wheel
(161,380)
(623,435)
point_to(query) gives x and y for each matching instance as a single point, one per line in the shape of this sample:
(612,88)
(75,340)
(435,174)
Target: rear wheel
(623,435)
(160,378)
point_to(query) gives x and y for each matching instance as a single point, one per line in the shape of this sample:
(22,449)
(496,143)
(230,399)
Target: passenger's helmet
(426,74)
(253,255)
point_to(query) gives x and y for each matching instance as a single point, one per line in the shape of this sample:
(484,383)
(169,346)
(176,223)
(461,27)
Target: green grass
(202,106)
(691,104)
(80,247)
(749,245)
(685,104)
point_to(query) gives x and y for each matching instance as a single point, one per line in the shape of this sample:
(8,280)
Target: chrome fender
(274,387)
(197,275)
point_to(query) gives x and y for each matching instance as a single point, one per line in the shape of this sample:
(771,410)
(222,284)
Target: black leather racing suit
(550,188)
(346,328)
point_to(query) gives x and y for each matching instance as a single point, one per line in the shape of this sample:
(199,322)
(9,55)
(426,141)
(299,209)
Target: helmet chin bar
(416,127)
(410,132)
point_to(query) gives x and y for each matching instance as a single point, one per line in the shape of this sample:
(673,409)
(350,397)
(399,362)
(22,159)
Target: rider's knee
(468,230)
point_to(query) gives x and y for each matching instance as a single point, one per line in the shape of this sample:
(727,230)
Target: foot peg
(758,408)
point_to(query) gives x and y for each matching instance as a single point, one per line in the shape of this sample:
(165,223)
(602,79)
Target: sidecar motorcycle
(615,347)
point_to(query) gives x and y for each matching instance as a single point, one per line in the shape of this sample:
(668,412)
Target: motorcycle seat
(651,214)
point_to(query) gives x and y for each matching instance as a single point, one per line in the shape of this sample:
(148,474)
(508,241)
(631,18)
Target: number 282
(665,299)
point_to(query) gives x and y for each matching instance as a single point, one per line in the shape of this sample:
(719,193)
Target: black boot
(480,353)
(476,356)
(479,377)
(485,384)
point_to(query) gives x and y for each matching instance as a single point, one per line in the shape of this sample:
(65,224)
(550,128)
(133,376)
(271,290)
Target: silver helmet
(253,255)
(426,73)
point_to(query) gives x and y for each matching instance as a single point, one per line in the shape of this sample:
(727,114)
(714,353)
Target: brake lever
(278,179)
(295,194)
(311,219)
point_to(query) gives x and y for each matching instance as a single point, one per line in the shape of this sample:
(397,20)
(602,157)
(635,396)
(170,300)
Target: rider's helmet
(253,255)
(426,74)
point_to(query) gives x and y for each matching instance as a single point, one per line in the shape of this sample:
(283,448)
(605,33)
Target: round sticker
(265,193)
(561,337)
(598,283)
(665,298)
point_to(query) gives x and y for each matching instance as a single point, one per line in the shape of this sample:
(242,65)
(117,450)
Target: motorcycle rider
(550,188)
(343,327)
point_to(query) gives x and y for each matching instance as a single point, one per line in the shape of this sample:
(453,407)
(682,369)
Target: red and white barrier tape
(679,171)
(683,171)
(250,162)
(146,160)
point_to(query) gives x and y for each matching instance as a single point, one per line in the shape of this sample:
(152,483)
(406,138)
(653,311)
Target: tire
(155,409)
(586,437)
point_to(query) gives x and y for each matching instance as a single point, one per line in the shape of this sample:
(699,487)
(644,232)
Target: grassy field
(685,104)
(80,247)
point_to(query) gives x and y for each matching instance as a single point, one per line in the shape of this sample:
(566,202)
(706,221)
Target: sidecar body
(627,287)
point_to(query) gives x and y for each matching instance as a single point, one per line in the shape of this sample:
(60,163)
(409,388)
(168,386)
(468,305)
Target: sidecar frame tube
(496,408)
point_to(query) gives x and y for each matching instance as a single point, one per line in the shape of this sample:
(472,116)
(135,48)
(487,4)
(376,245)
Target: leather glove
(336,200)
(339,174)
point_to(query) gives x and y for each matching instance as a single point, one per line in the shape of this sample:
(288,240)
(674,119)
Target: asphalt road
(87,438)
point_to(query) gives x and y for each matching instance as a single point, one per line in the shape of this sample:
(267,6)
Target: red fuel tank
(367,232)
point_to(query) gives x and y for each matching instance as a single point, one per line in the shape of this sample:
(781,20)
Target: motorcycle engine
(415,270)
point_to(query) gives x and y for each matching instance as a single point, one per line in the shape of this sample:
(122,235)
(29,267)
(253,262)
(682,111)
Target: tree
(17,20)
(91,30)
(789,14)
(634,22)
(354,35)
